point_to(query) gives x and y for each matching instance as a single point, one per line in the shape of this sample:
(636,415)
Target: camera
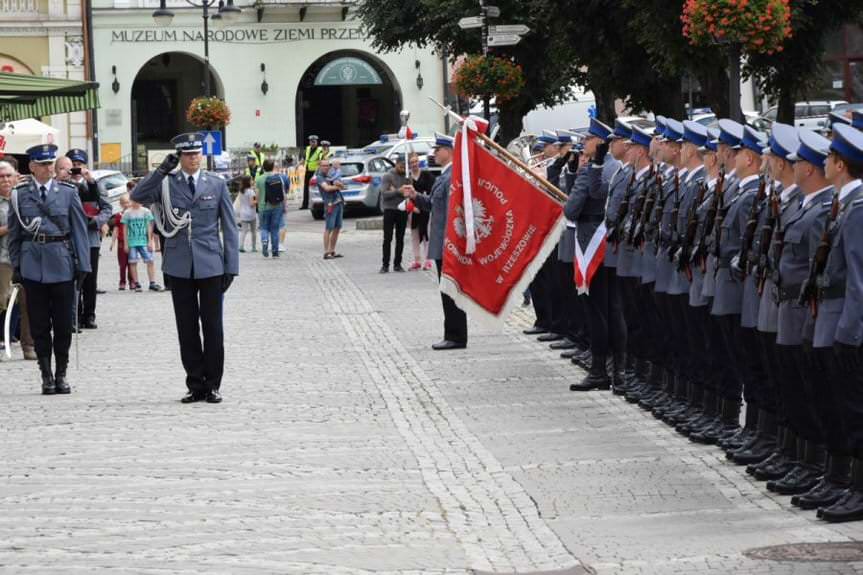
(76,171)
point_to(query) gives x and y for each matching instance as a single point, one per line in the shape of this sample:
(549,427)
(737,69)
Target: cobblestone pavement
(345,445)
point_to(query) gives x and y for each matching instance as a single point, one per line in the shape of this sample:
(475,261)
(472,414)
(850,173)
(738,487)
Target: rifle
(699,253)
(635,233)
(617,230)
(741,262)
(683,256)
(809,290)
(770,228)
(721,212)
(675,215)
(654,221)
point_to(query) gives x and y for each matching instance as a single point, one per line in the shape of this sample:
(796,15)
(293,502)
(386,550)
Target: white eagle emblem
(482,223)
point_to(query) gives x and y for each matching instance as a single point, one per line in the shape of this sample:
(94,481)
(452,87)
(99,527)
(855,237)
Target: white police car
(391,145)
(362,176)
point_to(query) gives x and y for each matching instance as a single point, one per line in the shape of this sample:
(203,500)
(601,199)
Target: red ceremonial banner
(515,226)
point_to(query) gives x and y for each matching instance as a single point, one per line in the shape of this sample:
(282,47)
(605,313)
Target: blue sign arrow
(212,143)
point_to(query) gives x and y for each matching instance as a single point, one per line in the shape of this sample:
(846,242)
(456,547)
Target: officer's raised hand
(601,152)
(168,165)
(227,280)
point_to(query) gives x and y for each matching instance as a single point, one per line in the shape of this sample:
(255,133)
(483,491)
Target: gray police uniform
(728,298)
(48,262)
(200,266)
(697,297)
(768,308)
(616,192)
(730,187)
(628,256)
(664,268)
(680,284)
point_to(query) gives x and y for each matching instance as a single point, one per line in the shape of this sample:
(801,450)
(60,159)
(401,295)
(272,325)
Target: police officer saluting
(49,250)
(191,206)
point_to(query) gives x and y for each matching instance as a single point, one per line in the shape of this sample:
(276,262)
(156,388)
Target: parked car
(709,119)
(112,185)
(362,176)
(812,115)
(389,145)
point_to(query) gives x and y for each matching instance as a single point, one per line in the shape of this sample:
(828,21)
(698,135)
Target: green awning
(23,96)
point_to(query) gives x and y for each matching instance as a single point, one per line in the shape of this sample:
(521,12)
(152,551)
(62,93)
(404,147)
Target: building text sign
(236,35)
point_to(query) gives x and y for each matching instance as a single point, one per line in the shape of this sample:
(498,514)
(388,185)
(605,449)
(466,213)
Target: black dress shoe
(800,479)
(824,494)
(100,292)
(570,353)
(384,270)
(213,396)
(447,344)
(535,330)
(848,508)
(89,324)
(398,268)
(192,397)
(565,343)
(549,337)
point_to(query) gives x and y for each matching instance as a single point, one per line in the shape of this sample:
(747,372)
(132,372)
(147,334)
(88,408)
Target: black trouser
(720,370)
(681,348)
(732,384)
(698,340)
(87,303)
(306,180)
(770,398)
(197,307)
(661,331)
(850,400)
(50,307)
(454,319)
(394,221)
(821,376)
(540,293)
(605,314)
(795,399)
(562,295)
(166,279)
(635,322)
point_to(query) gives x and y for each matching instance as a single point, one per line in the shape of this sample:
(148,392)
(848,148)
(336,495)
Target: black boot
(780,461)
(729,419)
(618,375)
(48,386)
(708,414)
(804,475)
(764,444)
(596,378)
(850,505)
(831,487)
(60,375)
(582,359)
(740,438)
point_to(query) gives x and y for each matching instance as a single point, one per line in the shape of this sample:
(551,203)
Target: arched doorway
(161,93)
(349,98)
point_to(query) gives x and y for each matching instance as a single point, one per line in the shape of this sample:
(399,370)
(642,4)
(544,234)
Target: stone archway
(161,93)
(349,98)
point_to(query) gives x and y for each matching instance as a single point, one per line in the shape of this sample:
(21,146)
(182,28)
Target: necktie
(192,185)
(43,192)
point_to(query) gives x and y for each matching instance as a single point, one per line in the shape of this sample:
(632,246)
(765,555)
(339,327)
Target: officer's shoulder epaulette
(827,204)
(857,202)
(69,185)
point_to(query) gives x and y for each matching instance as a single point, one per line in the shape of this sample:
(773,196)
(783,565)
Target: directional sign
(503,40)
(470,22)
(212,144)
(517,29)
(492,11)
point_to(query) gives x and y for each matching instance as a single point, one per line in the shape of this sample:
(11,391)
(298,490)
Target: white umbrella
(17,136)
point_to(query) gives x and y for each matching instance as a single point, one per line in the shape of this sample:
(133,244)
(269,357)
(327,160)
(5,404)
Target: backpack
(274,189)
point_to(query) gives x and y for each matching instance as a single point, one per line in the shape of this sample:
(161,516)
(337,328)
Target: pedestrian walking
(393,185)
(422,181)
(118,241)
(272,189)
(330,186)
(248,213)
(313,156)
(437,203)
(194,206)
(139,244)
(49,250)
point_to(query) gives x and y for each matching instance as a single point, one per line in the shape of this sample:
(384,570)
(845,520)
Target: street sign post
(503,40)
(212,143)
(517,29)
(470,22)
(492,11)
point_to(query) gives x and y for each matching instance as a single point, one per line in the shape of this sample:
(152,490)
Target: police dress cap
(43,153)
(848,143)
(783,141)
(712,143)
(442,141)
(189,142)
(673,130)
(599,130)
(564,136)
(622,130)
(547,137)
(641,137)
(77,155)
(537,146)
(313,137)
(659,129)
(857,119)
(838,118)
(325,143)
(813,148)
(753,140)
(730,133)
(694,133)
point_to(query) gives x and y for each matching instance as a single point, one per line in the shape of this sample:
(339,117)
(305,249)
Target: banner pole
(547,187)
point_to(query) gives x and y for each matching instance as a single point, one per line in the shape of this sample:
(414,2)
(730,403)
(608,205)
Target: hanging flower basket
(489,76)
(759,26)
(208,113)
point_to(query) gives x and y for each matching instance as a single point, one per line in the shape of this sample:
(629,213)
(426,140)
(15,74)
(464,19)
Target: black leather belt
(789,293)
(832,292)
(591,219)
(46,239)
(724,263)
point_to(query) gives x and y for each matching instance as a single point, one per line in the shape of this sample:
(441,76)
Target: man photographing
(192,206)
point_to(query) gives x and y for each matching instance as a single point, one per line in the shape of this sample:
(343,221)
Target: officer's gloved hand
(573,160)
(735,269)
(601,152)
(80,277)
(16,276)
(227,280)
(847,356)
(167,166)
